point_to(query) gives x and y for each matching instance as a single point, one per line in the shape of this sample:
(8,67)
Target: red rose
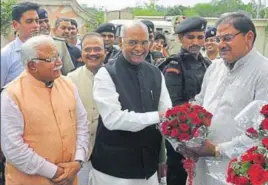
(255,173)
(231,177)
(253,157)
(165,128)
(182,118)
(195,118)
(251,132)
(184,127)
(264,124)
(169,113)
(264,110)
(265,142)
(184,137)
(174,132)
(240,180)
(252,149)
(174,123)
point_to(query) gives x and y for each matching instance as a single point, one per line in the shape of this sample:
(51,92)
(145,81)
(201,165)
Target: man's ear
(180,37)
(16,25)
(32,66)
(250,37)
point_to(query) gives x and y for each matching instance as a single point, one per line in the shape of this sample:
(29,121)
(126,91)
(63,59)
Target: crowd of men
(84,110)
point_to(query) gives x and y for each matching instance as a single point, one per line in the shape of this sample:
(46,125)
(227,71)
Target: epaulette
(59,39)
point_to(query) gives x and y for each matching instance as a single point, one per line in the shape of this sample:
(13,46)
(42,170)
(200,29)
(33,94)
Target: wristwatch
(80,162)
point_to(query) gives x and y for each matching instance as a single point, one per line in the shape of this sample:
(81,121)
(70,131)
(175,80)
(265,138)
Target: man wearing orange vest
(44,127)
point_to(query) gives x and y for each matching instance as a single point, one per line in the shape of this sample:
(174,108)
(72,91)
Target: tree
(96,19)
(6,17)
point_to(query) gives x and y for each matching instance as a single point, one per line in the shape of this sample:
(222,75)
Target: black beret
(191,24)
(42,13)
(106,27)
(211,31)
(149,24)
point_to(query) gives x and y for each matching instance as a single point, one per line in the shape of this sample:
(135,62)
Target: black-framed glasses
(134,43)
(48,60)
(227,37)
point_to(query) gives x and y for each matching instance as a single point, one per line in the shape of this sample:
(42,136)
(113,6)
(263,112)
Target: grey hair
(61,19)
(29,48)
(133,24)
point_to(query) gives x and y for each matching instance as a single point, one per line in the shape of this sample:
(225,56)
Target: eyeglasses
(95,49)
(48,60)
(134,43)
(227,37)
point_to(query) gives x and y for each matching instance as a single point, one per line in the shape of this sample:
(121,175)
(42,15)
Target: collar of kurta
(242,61)
(128,64)
(86,71)
(26,75)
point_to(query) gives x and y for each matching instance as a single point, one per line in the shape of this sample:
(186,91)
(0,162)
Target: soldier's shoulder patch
(172,70)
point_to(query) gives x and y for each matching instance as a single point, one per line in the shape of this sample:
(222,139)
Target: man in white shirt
(131,96)
(229,85)
(93,54)
(26,24)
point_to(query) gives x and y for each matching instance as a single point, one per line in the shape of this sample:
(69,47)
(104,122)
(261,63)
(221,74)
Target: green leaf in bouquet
(244,168)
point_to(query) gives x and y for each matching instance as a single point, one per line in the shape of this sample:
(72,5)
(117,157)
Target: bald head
(134,27)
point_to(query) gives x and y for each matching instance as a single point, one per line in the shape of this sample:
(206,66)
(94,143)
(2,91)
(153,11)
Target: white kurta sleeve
(82,131)
(113,117)
(15,150)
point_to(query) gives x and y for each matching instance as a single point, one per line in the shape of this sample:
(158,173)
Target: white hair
(29,48)
(133,24)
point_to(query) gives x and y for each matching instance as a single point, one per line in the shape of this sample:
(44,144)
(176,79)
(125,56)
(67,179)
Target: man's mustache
(225,49)
(195,47)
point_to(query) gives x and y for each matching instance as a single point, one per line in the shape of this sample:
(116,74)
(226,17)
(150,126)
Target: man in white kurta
(117,120)
(229,85)
(93,54)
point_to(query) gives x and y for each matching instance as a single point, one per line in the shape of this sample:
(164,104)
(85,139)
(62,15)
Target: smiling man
(184,76)
(239,77)
(44,127)
(131,96)
(212,51)
(93,54)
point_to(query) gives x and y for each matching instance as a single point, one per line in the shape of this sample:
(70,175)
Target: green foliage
(215,8)
(6,17)
(97,18)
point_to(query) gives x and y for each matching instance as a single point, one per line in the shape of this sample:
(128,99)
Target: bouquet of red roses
(186,124)
(251,168)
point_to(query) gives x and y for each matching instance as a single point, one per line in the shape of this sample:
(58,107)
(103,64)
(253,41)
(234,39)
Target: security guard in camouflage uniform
(184,75)
(107,30)
(151,55)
